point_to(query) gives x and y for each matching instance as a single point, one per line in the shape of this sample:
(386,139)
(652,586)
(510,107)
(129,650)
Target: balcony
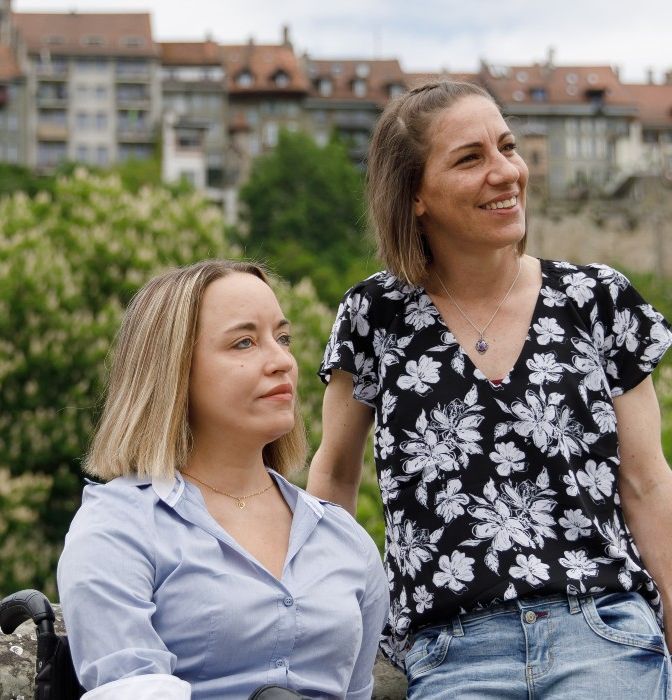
(133,73)
(135,133)
(52,132)
(50,95)
(53,71)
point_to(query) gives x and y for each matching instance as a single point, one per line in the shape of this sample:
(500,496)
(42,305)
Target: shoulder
(586,284)
(381,286)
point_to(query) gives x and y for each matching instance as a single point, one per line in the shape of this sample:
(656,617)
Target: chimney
(668,77)
(550,60)
(649,76)
(617,72)
(286,41)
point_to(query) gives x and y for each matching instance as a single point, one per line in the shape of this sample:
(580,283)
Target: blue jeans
(545,648)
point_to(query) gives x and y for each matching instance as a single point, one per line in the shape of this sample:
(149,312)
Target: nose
(503,170)
(279,358)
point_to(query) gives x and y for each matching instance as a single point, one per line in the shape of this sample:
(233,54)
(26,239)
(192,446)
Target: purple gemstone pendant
(481,346)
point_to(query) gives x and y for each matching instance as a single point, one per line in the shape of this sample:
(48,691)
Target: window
(359,88)
(572,147)
(82,120)
(538,94)
(101,121)
(395,90)
(281,79)
(518,95)
(12,153)
(102,155)
(245,79)
(92,40)
(362,70)
(82,153)
(132,42)
(271,134)
(50,153)
(101,92)
(521,76)
(325,87)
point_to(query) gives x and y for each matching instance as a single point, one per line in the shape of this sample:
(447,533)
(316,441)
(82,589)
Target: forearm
(327,481)
(648,513)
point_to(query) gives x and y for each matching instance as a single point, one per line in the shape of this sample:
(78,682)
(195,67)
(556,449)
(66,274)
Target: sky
(425,35)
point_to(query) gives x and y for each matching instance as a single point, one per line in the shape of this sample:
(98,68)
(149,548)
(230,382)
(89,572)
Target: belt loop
(457,627)
(574,605)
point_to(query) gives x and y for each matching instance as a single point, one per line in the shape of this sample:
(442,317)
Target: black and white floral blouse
(494,491)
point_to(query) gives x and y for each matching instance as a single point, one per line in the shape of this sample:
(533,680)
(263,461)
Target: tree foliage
(304,215)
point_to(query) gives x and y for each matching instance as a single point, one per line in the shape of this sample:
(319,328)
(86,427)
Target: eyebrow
(251,326)
(476,144)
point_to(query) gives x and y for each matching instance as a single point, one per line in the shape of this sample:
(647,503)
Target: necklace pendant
(481,346)
(241,503)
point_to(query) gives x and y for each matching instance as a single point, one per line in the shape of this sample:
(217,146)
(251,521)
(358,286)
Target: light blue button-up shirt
(150,583)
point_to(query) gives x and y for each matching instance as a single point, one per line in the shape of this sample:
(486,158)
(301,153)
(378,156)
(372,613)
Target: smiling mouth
(503,204)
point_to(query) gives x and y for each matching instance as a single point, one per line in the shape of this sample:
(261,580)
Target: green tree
(304,215)
(70,260)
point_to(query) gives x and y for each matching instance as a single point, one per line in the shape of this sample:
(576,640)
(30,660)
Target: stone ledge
(17,666)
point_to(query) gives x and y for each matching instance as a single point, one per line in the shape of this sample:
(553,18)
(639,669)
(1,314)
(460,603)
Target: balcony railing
(54,71)
(52,132)
(135,133)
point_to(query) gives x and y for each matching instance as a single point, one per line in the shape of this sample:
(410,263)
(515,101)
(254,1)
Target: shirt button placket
(286,634)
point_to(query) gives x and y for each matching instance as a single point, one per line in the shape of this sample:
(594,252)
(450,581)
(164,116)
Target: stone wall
(17,666)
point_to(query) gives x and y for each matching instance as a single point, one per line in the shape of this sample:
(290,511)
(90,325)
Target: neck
(227,464)
(474,275)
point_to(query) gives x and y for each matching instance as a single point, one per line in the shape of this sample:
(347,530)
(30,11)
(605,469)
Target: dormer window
(325,87)
(394,90)
(92,40)
(55,40)
(362,70)
(281,79)
(359,87)
(595,97)
(244,79)
(132,42)
(538,94)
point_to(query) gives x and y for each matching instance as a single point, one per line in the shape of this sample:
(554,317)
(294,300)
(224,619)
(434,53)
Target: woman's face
(473,187)
(243,374)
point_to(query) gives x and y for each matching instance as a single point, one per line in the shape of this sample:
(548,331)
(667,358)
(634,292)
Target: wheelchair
(55,677)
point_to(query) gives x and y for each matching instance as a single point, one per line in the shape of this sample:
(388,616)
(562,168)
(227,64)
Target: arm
(645,486)
(336,469)
(375,608)
(106,583)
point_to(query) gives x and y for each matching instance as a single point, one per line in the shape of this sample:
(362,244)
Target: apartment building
(569,120)
(95,81)
(648,149)
(267,89)
(346,97)
(195,114)
(13,108)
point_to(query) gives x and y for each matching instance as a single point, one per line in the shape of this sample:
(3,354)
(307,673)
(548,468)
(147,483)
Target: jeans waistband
(518,605)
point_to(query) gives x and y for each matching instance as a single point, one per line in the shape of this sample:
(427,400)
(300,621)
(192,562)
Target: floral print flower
(532,569)
(423,598)
(508,458)
(548,330)
(450,502)
(419,375)
(455,570)
(576,524)
(597,478)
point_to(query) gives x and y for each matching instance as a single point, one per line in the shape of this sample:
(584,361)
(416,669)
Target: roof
(180,53)
(654,103)
(9,68)
(563,85)
(378,74)
(264,63)
(418,79)
(75,33)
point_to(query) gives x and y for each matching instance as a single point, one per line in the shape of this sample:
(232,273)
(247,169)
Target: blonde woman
(517,432)
(198,571)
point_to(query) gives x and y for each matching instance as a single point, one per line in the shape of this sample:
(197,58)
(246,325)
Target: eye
(285,339)
(243,344)
(510,147)
(468,158)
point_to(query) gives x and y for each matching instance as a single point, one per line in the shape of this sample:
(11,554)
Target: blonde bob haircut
(396,163)
(144,426)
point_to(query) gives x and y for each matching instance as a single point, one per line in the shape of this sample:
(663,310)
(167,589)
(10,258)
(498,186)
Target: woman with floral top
(517,431)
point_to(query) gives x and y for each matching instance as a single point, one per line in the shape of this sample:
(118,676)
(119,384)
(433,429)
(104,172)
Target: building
(346,97)
(13,108)
(195,105)
(96,88)
(568,120)
(648,149)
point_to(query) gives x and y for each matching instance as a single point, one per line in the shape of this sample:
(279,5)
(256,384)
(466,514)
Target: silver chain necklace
(481,344)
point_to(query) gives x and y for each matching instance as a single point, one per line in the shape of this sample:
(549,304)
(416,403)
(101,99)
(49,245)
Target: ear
(418,206)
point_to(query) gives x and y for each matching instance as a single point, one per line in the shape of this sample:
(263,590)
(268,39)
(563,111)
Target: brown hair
(397,158)
(144,427)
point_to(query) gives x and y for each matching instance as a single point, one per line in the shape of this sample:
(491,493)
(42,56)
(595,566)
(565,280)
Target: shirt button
(280,663)
(530,617)
(288,601)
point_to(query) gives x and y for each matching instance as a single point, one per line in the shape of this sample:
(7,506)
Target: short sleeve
(351,344)
(636,336)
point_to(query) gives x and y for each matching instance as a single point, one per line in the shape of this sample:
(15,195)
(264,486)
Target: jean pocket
(429,651)
(624,618)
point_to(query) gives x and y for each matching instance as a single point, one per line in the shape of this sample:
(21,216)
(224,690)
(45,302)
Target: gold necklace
(239,499)
(482,344)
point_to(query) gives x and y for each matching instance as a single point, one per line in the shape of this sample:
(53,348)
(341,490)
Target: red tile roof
(378,74)
(9,68)
(204,53)
(265,62)
(654,104)
(75,33)
(562,84)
